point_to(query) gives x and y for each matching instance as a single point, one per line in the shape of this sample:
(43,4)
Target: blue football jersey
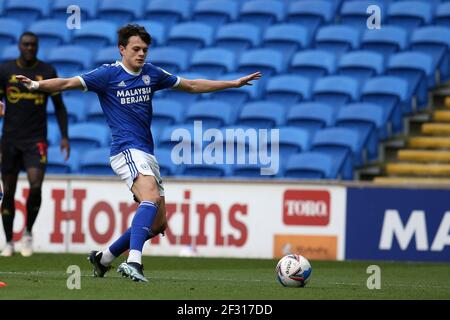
(126,100)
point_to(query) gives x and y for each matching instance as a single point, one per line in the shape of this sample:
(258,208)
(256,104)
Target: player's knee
(153,196)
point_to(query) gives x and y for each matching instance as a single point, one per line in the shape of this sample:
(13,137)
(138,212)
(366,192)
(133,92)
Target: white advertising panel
(206,218)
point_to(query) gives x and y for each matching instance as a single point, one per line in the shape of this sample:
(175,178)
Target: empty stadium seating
(335,88)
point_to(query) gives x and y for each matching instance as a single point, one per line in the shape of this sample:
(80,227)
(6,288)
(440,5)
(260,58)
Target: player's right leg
(146,189)
(11,162)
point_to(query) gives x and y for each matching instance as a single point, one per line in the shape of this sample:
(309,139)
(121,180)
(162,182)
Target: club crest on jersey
(146,79)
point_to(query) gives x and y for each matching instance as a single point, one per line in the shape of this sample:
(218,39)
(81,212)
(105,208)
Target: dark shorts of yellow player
(17,156)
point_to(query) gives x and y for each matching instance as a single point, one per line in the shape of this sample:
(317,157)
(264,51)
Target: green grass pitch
(43,276)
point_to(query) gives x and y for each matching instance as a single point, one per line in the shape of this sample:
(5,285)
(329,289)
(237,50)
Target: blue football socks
(140,228)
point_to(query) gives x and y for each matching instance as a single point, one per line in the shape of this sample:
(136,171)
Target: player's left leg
(102,260)
(35,159)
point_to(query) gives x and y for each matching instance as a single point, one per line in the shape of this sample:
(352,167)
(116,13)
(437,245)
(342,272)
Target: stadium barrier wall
(206,218)
(398,224)
(249,219)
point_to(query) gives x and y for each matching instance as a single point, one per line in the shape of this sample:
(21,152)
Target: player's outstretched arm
(204,86)
(51,85)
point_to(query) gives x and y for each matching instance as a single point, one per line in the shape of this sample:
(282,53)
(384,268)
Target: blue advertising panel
(398,224)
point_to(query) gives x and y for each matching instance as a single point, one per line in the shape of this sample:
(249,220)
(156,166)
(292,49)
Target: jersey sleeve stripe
(85,88)
(177,83)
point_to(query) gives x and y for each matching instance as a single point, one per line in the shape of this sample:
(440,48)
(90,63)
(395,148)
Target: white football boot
(8,250)
(27,244)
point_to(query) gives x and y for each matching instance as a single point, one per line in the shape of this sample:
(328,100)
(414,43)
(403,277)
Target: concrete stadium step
(414,169)
(442,115)
(430,142)
(412,181)
(434,128)
(423,155)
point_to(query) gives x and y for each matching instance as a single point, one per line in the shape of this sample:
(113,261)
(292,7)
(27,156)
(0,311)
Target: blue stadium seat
(167,112)
(240,138)
(216,13)
(56,163)
(70,60)
(183,135)
(311,116)
(94,112)
(410,14)
(387,40)
(344,145)
(393,94)
(213,62)
(11,52)
(171,59)
(213,114)
(53,134)
(435,41)
(361,65)
(443,15)
(120,12)
(337,39)
(10,31)
(95,34)
(253,168)
(107,55)
(292,140)
(184,97)
(313,64)
(336,90)
(157,31)
(311,166)
(238,37)
(286,38)
(354,13)
(205,170)
(166,166)
(88,9)
(261,114)
(376,114)
(191,36)
(267,61)
(288,89)
(76,110)
(51,33)
(366,121)
(85,136)
(168,12)
(311,14)
(262,13)
(26,11)
(238,96)
(418,69)
(96,162)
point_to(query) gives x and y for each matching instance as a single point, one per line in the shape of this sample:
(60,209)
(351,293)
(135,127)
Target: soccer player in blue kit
(125,89)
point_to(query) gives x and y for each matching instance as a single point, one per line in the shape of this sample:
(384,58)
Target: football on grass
(293,270)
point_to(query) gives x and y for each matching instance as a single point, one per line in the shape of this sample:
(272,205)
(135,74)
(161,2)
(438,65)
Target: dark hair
(28,33)
(130,30)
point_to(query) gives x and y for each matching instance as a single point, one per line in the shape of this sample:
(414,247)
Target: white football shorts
(129,163)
